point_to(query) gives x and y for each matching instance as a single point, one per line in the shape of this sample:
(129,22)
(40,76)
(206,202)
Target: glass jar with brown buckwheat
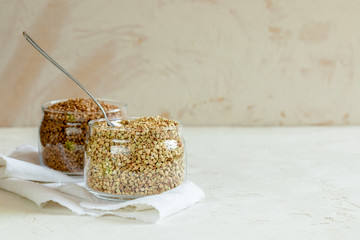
(64,127)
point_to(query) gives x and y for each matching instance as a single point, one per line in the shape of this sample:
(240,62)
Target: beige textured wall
(203,62)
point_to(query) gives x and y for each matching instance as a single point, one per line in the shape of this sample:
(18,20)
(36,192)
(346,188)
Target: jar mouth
(93,124)
(120,106)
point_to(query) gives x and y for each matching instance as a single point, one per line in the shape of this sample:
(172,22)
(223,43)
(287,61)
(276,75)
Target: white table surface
(260,183)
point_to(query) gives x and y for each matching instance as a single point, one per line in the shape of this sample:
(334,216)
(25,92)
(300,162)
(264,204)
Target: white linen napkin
(22,174)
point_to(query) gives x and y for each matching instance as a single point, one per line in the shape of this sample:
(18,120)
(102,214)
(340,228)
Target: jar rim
(92,124)
(119,105)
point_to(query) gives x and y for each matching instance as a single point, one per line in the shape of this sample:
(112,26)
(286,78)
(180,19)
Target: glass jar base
(71,174)
(74,174)
(113,197)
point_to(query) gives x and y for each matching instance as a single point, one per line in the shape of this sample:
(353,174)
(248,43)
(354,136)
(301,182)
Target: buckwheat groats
(63,131)
(143,156)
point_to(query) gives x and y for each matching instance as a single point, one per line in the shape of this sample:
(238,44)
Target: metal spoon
(28,38)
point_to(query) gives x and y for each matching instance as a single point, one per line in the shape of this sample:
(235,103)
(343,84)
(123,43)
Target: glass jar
(62,134)
(127,162)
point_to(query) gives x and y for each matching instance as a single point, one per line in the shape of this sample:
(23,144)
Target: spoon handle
(28,38)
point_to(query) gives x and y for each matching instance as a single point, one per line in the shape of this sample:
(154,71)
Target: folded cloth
(22,174)
(24,164)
